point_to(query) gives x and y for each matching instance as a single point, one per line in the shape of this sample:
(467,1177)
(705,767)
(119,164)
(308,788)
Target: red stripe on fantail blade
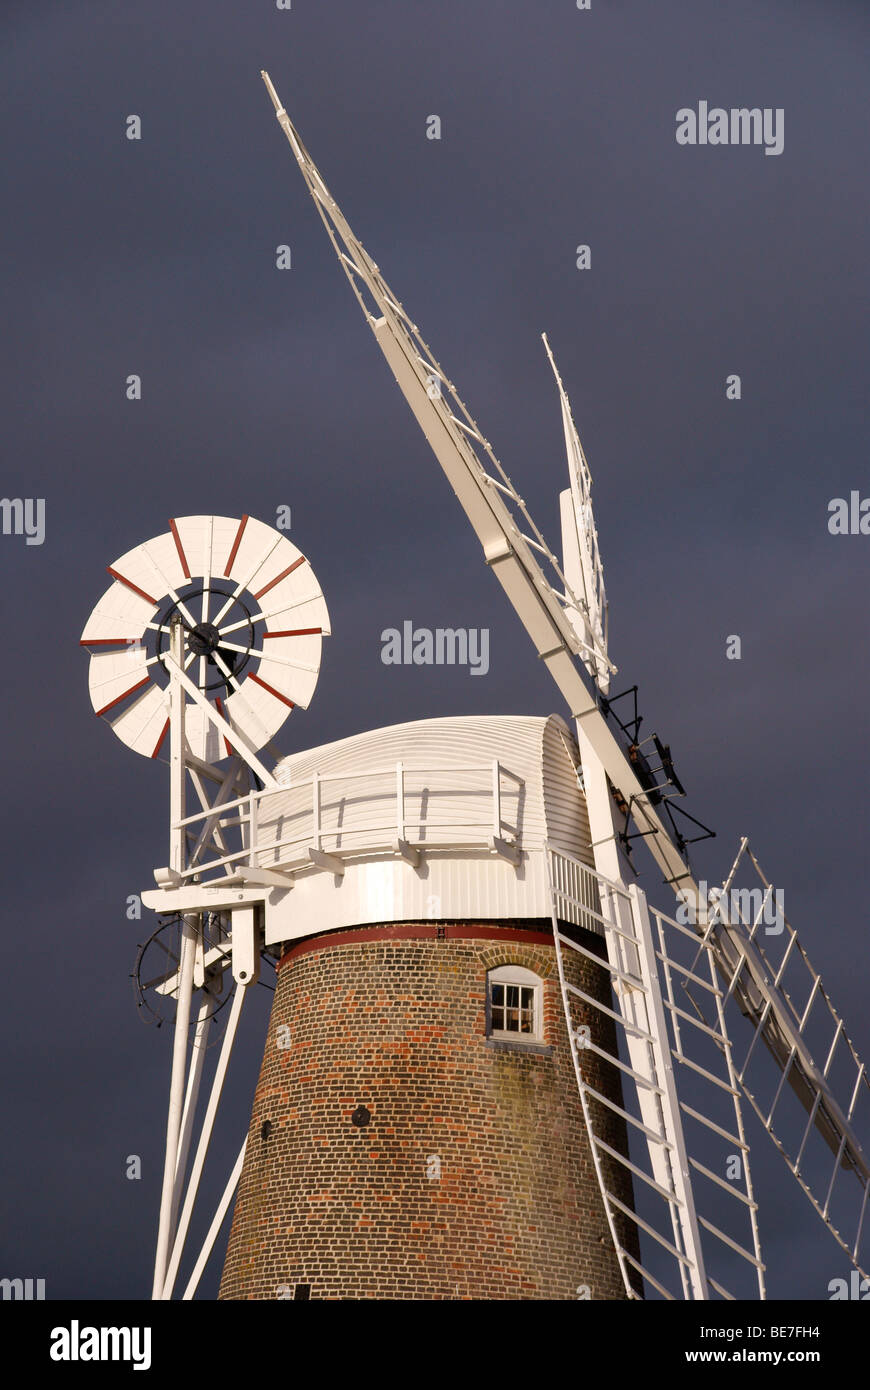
(110,641)
(236,543)
(295,632)
(119,698)
(283,575)
(130,585)
(160,740)
(272,691)
(179,547)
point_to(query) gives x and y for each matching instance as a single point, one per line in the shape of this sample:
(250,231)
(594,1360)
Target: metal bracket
(408,853)
(322,860)
(201,897)
(505,850)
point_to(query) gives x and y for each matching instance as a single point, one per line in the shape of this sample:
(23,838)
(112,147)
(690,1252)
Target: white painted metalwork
(194,1080)
(495,509)
(170,1269)
(236,596)
(581,558)
(457,823)
(176,1098)
(381,838)
(824,1109)
(666,1134)
(250,606)
(330,817)
(214,1228)
(548,608)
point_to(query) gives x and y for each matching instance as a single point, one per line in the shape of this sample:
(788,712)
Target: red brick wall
(398,1026)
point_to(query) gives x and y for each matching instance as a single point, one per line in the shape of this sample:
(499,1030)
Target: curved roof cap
(539,750)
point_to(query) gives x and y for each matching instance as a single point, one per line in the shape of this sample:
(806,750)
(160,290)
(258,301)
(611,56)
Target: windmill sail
(580,554)
(540,592)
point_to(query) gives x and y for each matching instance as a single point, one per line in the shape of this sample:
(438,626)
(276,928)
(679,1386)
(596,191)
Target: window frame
(521,976)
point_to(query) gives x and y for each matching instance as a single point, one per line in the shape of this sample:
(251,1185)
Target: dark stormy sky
(264,388)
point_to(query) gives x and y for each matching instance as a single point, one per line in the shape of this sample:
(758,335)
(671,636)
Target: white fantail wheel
(252,616)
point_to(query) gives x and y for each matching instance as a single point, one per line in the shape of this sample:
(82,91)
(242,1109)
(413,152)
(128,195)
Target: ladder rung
(690,1018)
(759,1029)
(581,907)
(624,1067)
(475,434)
(645,1274)
(650,1230)
(714,1230)
(633,980)
(347,260)
(708,1075)
(686,973)
(782,1080)
(727,1186)
(502,487)
(691,933)
(627,1163)
(397,308)
(536,545)
(573,905)
(860,1227)
(618,1018)
(638,1124)
(720,1289)
(793,941)
(696,1115)
(835,1172)
(856,1090)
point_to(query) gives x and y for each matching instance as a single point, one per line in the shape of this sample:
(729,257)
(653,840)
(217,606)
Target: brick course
(398,1027)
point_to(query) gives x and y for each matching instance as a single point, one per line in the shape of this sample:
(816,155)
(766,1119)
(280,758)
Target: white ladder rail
(718,1034)
(621,1253)
(665,1142)
(835,1120)
(660,1125)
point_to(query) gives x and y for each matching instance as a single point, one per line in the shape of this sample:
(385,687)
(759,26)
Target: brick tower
(417,1131)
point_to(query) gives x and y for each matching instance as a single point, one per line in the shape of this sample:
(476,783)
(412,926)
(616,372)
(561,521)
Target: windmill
(668,1025)
(748,963)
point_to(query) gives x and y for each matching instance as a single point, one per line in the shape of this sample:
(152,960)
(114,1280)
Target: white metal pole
(685,1214)
(194,1078)
(177,832)
(208,1246)
(189,928)
(204,1141)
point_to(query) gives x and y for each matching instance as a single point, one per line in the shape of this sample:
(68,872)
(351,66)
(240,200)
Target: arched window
(513,1004)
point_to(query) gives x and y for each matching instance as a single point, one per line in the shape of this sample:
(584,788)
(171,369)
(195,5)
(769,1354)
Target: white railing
(309,816)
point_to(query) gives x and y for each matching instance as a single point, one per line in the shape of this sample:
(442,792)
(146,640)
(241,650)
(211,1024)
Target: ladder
(676,1142)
